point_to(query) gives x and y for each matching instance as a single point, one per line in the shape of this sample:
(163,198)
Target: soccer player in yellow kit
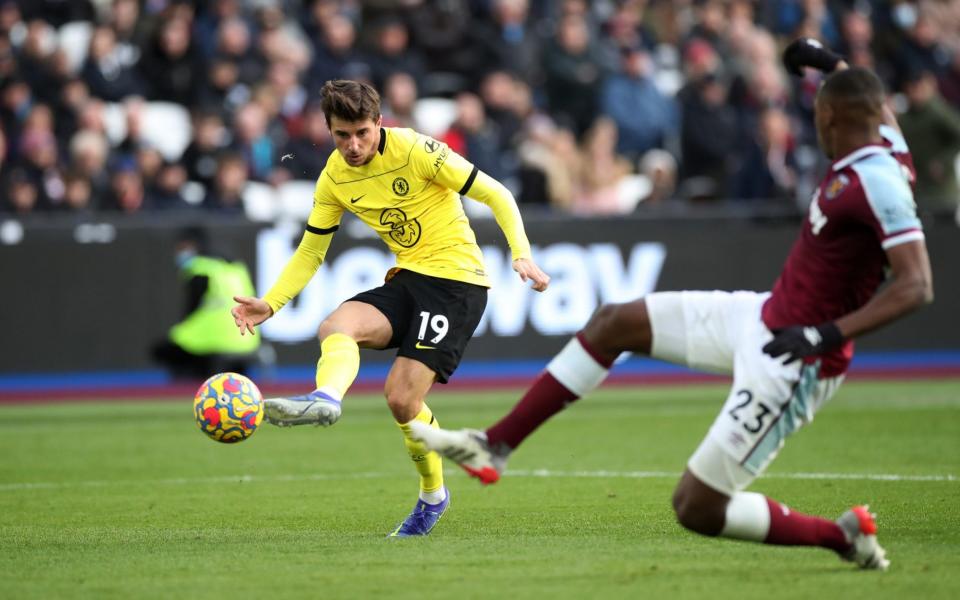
(406,186)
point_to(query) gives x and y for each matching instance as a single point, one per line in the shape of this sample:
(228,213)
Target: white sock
(576,370)
(434,497)
(747,518)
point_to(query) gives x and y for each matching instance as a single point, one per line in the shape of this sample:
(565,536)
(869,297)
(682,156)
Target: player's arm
(808,52)
(909,287)
(458,174)
(323,222)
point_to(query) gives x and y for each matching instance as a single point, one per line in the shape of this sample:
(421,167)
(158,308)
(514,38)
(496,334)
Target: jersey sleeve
(435,160)
(323,221)
(894,140)
(890,209)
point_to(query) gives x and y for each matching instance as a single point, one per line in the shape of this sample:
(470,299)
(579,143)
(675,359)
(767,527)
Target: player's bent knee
(705,518)
(619,327)
(403,405)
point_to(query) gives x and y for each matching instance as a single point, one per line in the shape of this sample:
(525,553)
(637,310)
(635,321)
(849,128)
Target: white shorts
(722,332)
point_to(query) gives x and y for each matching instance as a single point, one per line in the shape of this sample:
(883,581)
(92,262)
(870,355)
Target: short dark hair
(349,100)
(856,88)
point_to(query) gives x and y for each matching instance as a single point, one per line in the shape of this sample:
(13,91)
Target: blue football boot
(423,518)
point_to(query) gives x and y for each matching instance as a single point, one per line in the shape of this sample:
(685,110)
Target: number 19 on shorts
(438,324)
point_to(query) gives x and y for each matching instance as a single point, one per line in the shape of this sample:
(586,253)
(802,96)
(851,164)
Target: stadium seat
(167,127)
(295,200)
(74,40)
(434,115)
(260,202)
(114,122)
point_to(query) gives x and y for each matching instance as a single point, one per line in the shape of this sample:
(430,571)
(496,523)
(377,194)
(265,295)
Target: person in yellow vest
(406,186)
(206,341)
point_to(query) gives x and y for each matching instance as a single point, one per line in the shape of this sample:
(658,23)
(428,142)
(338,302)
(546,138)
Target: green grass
(120,500)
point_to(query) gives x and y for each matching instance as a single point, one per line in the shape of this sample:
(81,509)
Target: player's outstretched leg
(754,517)
(337,368)
(577,370)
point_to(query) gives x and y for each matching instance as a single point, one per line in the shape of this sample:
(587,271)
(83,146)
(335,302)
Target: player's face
(357,141)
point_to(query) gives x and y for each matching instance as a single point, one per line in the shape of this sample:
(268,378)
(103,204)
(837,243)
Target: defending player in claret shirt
(406,187)
(787,350)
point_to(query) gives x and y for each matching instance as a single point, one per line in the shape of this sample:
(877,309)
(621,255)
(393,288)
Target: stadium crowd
(600,107)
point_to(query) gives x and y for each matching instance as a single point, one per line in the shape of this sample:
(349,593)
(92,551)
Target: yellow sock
(338,364)
(427,463)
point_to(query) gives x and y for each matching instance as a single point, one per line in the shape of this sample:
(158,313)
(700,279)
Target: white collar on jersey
(856,155)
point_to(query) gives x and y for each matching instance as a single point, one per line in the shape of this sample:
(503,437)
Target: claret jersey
(863,207)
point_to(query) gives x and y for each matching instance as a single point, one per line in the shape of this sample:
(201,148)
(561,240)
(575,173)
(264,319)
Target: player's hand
(527,269)
(249,312)
(808,52)
(799,342)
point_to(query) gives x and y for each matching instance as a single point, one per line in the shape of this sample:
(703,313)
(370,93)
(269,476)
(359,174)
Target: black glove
(808,52)
(799,342)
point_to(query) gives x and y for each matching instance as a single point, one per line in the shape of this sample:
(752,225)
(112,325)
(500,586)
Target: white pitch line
(542,473)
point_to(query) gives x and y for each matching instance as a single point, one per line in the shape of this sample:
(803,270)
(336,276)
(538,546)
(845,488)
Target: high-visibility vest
(210,328)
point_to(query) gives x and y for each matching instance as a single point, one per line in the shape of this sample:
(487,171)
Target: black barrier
(94,296)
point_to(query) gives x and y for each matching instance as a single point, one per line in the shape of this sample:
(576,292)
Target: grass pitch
(120,500)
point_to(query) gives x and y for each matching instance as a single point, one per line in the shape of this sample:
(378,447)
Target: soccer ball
(228,408)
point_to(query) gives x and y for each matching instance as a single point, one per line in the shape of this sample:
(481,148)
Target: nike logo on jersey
(420,346)
(357,199)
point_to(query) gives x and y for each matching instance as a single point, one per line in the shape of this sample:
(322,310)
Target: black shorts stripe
(319,231)
(466,186)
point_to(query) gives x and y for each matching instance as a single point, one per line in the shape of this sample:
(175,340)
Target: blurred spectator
(21,192)
(127,193)
(399,99)
(708,126)
(39,159)
(291,97)
(660,169)
(34,63)
(78,194)
(221,89)
(306,154)
(921,49)
(104,70)
(210,137)
(644,117)
(89,152)
(573,74)
(15,102)
(234,46)
(226,194)
(170,64)
(392,53)
(476,137)
(768,169)
(252,141)
(501,95)
(336,53)
(511,41)
(602,172)
(932,130)
(130,29)
(165,190)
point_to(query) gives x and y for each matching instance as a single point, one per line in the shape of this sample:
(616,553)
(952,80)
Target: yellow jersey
(409,193)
